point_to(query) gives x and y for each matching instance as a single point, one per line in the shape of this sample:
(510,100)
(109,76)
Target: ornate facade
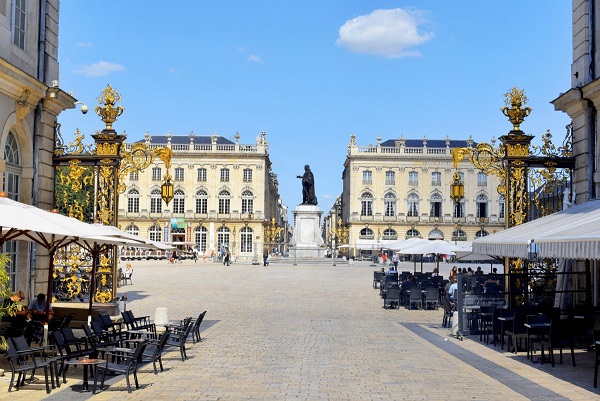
(401,188)
(225,195)
(30,101)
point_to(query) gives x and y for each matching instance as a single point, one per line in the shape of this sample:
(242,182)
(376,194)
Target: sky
(311,73)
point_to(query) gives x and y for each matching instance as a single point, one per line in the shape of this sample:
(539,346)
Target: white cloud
(173,70)
(387,33)
(254,58)
(326,196)
(84,44)
(100,69)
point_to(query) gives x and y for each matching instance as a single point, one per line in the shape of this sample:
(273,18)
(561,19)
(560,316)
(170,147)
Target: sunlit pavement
(304,332)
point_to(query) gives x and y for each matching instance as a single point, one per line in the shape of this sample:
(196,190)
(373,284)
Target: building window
(389,204)
(154,233)
(156,174)
(247,175)
(459,235)
(224,202)
(155,201)
(134,176)
(12,186)
(179,174)
(482,203)
(390,178)
(133,201)
(224,175)
(247,202)
(366,233)
(390,234)
(201,202)
(19,21)
(436,205)
(201,175)
(501,206)
(367,177)
(481,233)
(366,204)
(200,238)
(436,179)
(178,201)
(223,238)
(413,178)
(413,233)
(459,209)
(481,179)
(246,240)
(413,205)
(132,229)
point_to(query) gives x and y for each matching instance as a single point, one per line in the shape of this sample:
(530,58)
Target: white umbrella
(398,245)
(437,247)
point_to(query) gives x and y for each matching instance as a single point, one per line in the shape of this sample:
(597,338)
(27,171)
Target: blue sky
(312,73)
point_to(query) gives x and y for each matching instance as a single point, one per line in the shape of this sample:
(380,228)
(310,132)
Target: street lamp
(457,188)
(166,189)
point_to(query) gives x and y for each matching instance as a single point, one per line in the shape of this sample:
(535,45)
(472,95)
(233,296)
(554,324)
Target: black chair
(486,322)
(431,298)
(561,336)
(447,317)
(137,323)
(196,327)
(179,335)
(392,297)
(67,352)
(539,335)
(517,332)
(154,350)
(22,363)
(129,363)
(377,276)
(46,354)
(415,298)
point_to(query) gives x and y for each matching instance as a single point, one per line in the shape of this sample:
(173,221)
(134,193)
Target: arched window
(435,234)
(223,237)
(436,205)
(366,233)
(132,229)
(413,205)
(481,233)
(246,238)
(413,233)
(247,202)
(224,202)
(12,186)
(133,201)
(389,204)
(201,202)
(366,202)
(178,201)
(459,235)
(155,201)
(482,206)
(200,238)
(390,234)
(501,206)
(154,233)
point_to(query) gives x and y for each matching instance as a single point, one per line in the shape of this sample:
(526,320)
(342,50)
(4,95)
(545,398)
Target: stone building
(225,194)
(400,188)
(30,101)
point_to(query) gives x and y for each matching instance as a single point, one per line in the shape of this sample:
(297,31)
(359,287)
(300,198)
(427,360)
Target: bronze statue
(308,187)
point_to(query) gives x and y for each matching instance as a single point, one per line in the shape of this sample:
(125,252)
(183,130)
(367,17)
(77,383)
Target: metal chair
(431,298)
(392,296)
(178,337)
(415,298)
(129,365)
(22,363)
(196,327)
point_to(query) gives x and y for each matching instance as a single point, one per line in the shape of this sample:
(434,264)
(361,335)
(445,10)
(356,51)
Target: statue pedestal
(307,240)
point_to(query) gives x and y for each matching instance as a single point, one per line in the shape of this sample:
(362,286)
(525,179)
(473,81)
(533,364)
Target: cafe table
(503,320)
(91,363)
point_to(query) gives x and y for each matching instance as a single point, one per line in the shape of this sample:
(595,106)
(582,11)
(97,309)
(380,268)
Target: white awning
(573,233)
(372,244)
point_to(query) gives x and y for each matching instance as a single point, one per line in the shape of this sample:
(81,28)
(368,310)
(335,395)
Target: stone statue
(308,187)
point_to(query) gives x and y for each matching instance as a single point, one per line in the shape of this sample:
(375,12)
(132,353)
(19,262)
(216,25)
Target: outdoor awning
(373,244)
(573,233)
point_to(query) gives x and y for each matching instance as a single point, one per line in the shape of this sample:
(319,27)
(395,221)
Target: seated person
(15,309)
(37,308)
(128,271)
(408,283)
(452,289)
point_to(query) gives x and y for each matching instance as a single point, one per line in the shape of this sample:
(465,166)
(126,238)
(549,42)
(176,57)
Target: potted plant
(5,293)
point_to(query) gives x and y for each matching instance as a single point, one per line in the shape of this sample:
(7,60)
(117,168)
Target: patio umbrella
(437,247)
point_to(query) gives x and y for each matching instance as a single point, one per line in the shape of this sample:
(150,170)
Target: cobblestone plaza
(303,332)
